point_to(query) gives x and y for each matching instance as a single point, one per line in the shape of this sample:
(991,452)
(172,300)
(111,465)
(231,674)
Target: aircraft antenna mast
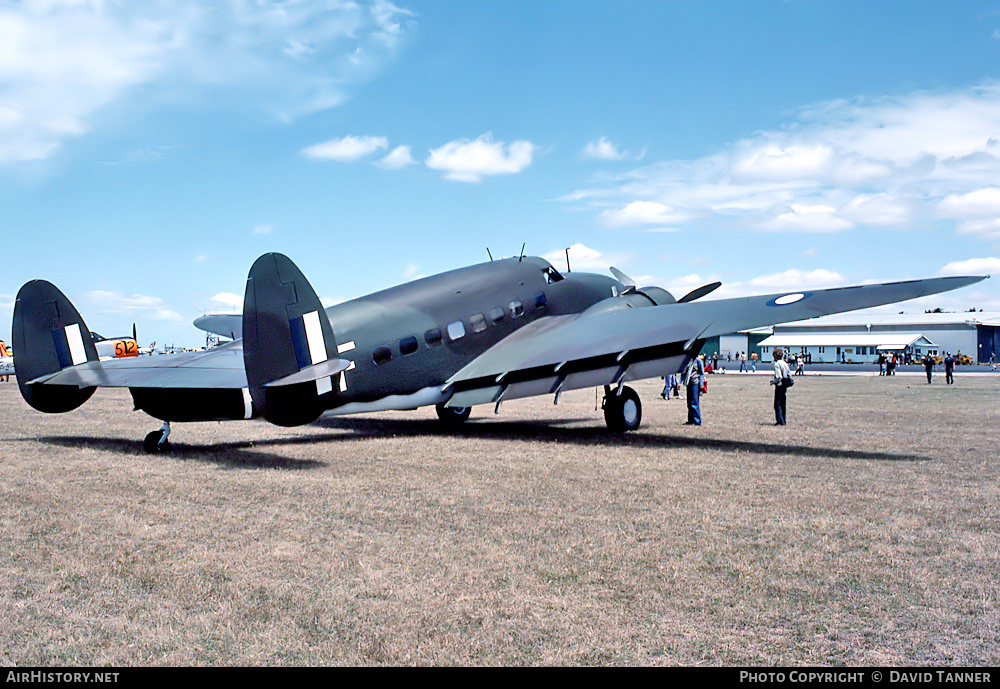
(567,261)
(489,254)
(522,252)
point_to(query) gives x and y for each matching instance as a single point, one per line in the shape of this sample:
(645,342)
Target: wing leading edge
(609,347)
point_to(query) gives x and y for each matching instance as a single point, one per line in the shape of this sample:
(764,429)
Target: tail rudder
(49,335)
(289,350)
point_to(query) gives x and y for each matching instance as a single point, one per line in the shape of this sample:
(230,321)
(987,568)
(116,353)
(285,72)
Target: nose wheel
(157,441)
(622,409)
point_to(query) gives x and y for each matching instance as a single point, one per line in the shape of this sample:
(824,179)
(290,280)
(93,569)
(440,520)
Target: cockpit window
(552,275)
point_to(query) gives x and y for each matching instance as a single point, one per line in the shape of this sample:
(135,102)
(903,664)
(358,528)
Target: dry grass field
(867,532)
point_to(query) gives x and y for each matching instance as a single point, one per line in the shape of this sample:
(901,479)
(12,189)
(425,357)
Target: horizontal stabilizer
(325,369)
(222,324)
(219,367)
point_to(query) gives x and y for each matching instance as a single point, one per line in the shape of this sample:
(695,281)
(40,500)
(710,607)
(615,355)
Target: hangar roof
(916,320)
(889,340)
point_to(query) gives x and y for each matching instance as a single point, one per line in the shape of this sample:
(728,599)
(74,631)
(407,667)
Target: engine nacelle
(634,299)
(194,404)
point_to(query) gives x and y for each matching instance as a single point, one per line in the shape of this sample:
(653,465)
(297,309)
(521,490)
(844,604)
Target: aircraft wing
(220,367)
(605,346)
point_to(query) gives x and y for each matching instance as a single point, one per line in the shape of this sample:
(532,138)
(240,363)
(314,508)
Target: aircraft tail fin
(289,350)
(49,335)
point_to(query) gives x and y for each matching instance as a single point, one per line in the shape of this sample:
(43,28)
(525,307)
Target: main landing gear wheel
(157,441)
(453,416)
(622,410)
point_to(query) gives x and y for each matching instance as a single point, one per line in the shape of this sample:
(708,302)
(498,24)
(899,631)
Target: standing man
(781,382)
(928,362)
(949,368)
(692,379)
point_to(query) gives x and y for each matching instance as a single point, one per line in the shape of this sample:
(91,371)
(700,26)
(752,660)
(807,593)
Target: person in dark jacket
(928,362)
(949,368)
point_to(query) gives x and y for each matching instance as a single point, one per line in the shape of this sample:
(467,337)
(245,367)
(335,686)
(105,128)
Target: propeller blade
(622,277)
(700,292)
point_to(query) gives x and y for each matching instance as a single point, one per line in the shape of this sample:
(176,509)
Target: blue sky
(149,152)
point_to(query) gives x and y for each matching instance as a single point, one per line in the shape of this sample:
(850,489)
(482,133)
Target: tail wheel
(157,440)
(453,416)
(152,444)
(622,410)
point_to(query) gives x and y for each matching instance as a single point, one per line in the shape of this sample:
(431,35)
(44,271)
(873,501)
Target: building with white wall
(860,338)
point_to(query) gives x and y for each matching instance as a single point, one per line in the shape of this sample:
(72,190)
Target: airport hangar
(860,338)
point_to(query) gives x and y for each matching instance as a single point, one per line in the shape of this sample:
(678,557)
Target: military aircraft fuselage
(488,333)
(404,342)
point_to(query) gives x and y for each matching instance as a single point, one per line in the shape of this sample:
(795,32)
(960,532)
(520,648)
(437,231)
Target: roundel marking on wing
(787,299)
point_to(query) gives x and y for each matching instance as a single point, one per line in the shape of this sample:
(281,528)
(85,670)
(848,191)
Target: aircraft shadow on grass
(265,453)
(551,431)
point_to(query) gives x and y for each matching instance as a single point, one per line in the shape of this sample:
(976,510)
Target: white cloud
(802,218)
(347,149)
(121,303)
(878,209)
(265,228)
(64,61)
(413,272)
(889,162)
(973,266)
(775,162)
(585,258)
(602,149)
(642,213)
(167,315)
(797,279)
(234,301)
(400,157)
(471,161)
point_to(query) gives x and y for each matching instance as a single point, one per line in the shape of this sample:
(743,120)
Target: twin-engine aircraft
(485,334)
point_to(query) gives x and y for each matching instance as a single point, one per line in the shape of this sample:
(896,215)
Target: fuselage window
(516,309)
(540,300)
(408,345)
(496,315)
(478,322)
(433,337)
(552,275)
(381,354)
(456,330)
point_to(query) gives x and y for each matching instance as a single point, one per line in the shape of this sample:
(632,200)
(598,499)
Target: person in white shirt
(780,381)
